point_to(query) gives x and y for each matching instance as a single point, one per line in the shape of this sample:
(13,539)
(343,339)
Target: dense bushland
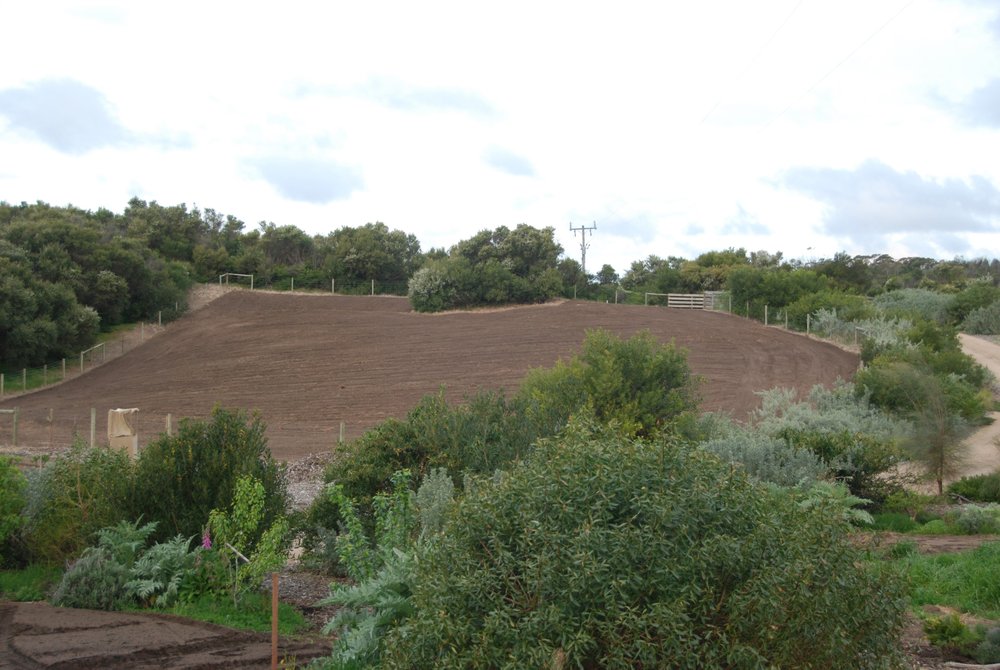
(174,484)
(603,551)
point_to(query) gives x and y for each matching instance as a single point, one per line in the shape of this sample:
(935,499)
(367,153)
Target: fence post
(786,318)
(333,285)
(1,384)
(170,426)
(293,283)
(373,287)
(81,362)
(748,309)
(24,380)
(251,282)
(808,320)
(765,314)
(341,433)
(45,374)
(64,368)
(159,318)
(93,426)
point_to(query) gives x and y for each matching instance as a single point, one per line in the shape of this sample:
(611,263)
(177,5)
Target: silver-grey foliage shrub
(983,321)
(882,330)
(827,410)
(434,497)
(979,519)
(928,304)
(768,459)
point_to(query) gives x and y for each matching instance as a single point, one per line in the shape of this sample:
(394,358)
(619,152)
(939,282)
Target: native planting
(601,550)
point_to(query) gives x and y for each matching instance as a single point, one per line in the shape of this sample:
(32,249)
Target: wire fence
(49,430)
(15,382)
(339,286)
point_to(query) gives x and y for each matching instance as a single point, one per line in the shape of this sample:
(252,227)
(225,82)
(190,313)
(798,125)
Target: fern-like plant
(158,574)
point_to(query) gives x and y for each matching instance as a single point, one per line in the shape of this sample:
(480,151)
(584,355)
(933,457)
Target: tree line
(66,273)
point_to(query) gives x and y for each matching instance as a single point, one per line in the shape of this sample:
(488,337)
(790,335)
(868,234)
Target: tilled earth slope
(310,362)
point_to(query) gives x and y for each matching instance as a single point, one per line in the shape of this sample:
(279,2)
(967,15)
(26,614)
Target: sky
(808,127)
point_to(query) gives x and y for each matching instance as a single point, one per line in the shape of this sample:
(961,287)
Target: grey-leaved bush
(603,551)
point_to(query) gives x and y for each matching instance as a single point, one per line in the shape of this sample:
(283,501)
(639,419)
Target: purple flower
(206,540)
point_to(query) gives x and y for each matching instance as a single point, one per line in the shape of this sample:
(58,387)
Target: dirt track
(984,454)
(38,635)
(309,362)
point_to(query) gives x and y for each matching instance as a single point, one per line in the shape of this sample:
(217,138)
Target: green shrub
(893,521)
(253,543)
(640,385)
(848,307)
(937,527)
(978,488)
(12,501)
(857,443)
(99,578)
(983,321)
(487,432)
(768,459)
(913,504)
(434,498)
(181,478)
(976,520)
(71,497)
(94,581)
(976,295)
(948,632)
(916,302)
(381,597)
(600,551)
(988,650)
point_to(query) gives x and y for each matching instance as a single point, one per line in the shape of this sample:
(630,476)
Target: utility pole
(583,243)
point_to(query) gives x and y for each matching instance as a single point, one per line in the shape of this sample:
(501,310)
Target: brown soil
(310,362)
(38,635)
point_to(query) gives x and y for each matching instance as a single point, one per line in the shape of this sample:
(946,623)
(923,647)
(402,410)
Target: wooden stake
(274,621)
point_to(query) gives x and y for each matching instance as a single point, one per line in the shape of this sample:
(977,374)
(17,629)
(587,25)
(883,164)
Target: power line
(753,61)
(836,67)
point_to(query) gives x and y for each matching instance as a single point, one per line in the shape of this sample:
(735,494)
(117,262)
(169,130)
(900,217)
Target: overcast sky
(802,126)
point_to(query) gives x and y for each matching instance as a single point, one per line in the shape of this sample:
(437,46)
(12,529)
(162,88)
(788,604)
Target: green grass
(896,522)
(967,581)
(29,584)
(253,613)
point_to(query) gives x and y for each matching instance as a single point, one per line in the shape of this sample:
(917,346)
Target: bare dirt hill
(309,362)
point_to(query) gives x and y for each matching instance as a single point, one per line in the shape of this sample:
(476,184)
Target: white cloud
(675,126)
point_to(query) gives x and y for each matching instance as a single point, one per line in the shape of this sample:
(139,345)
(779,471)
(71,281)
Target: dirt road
(984,454)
